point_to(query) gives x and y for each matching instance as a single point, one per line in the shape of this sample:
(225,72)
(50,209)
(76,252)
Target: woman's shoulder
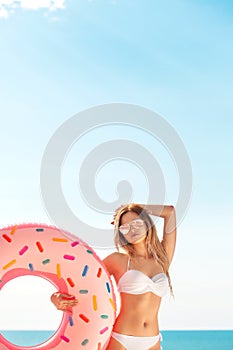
(116,256)
(114,260)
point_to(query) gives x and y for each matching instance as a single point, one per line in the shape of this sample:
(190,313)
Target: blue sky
(173,57)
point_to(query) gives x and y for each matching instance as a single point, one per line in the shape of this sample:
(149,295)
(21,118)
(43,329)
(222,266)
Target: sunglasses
(125,228)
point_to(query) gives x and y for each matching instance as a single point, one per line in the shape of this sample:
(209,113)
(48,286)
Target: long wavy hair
(153,245)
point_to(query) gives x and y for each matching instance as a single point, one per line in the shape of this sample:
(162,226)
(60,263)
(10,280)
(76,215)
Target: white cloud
(6,6)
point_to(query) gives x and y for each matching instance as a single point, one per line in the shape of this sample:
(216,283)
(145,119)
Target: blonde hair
(153,244)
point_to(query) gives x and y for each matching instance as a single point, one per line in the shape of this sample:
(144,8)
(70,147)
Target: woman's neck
(140,251)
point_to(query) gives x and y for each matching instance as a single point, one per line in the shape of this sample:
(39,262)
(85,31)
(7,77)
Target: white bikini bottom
(131,342)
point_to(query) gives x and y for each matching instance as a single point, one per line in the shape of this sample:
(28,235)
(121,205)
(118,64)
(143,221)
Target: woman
(141,274)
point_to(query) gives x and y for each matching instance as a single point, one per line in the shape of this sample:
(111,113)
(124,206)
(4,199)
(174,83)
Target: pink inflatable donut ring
(72,267)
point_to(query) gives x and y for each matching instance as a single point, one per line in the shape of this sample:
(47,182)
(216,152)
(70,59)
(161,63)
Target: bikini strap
(128,263)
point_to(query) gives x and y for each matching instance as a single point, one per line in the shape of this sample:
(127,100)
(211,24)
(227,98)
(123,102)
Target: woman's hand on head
(63,301)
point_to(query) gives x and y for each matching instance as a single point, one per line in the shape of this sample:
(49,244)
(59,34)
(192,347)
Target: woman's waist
(136,323)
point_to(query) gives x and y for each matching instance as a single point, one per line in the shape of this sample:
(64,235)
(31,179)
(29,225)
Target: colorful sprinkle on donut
(23,250)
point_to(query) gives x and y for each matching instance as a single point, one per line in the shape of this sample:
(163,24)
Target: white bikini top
(137,282)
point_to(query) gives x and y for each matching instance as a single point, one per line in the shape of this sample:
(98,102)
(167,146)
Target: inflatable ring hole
(27,317)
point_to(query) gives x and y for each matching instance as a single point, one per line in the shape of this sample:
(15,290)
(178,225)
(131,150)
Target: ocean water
(172,340)
(197,340)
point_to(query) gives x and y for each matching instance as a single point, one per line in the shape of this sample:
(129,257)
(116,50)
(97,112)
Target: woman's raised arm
(167,212)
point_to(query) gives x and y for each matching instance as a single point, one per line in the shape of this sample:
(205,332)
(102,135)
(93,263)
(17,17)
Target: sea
(172,340)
